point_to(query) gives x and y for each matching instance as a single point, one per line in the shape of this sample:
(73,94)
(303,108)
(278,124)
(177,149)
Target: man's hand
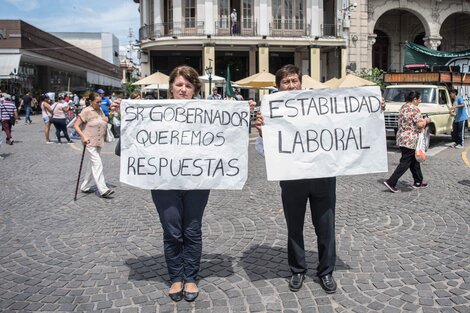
(259,123)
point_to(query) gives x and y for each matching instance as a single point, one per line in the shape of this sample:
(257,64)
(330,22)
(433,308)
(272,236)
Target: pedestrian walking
(410,124)
(91,126)
(461,115)
(105,102)
(26,103)
(320,192)
(59,119)
(9,117)
(181,211)
(46,113)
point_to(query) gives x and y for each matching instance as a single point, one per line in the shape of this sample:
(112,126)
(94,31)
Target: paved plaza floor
(403,252)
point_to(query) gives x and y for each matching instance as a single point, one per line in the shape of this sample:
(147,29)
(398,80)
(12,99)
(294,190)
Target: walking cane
(79,172)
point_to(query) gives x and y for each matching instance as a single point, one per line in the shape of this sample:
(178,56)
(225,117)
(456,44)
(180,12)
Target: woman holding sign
(181,211)
(410,124)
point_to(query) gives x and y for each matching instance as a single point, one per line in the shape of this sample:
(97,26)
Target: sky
(114,16)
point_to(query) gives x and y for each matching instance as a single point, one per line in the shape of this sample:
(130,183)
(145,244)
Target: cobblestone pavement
(408,251)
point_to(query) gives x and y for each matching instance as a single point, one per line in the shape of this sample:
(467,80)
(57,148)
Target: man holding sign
(308,142)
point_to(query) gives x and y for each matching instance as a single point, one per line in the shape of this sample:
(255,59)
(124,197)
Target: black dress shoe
(177,296)
(296,281)
(328,283)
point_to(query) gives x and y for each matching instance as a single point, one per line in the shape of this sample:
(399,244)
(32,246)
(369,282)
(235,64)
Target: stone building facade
(325,38)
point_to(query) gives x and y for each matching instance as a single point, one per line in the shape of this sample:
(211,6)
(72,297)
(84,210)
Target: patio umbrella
(228,84)
(332,83)
(310,83)
(351,80)
(258,80)
(155,78)
(214,78)
(156,87)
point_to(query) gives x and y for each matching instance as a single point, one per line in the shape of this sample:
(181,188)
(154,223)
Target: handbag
(109,134)
(420,153)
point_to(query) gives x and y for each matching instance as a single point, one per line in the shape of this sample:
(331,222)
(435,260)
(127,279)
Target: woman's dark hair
(412,95)
(287,70)
(91,97)
(189,73)
(43,98)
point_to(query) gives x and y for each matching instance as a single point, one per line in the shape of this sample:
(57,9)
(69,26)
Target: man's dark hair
(454,91)
(286,70)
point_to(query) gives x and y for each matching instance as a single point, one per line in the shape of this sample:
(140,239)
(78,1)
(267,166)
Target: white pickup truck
(435,103)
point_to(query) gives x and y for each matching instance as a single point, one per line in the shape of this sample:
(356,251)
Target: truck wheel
(427,137)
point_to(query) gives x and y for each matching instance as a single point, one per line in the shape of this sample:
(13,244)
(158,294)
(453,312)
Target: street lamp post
(14,77)
(209,74)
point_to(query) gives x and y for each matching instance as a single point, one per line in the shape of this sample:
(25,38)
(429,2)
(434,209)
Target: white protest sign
(184,144)
(324,133)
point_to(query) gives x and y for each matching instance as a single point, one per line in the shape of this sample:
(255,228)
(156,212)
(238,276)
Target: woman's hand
(85,140)
(259,123)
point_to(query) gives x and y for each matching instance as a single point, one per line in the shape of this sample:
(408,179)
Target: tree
(129,88)
(374,74)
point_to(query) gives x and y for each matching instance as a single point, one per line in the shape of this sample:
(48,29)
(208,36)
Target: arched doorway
(399,26)
(454,34)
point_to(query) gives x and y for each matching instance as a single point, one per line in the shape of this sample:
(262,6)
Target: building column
(208,59)
(371,39)
(177,16)
(263,66)
(432,42)
(344,61)
(316,18)
(263,59)
(315,63)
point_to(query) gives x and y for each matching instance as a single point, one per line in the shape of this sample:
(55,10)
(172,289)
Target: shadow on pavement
(265,262)
(153,268)
(465,182)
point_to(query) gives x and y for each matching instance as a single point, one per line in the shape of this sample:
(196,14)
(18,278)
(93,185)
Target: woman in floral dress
(410,124)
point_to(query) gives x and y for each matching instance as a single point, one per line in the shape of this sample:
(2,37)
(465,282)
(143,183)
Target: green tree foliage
(374,74)
(129,88)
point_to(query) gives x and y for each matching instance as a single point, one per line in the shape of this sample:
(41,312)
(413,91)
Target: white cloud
(24,5)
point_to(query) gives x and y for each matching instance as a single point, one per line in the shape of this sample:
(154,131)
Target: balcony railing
(185,28)
(289,29)
(246,28)
(223,28)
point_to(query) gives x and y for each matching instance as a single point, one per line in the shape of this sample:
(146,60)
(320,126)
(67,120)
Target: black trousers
(407,161)
(181,214)
(60,125)
(458,131)
(321,193)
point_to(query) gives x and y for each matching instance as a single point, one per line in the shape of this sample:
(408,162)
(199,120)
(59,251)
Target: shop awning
(8,62)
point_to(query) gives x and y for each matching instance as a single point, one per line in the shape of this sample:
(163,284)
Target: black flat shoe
(190,296)
(177,296)
(296,281)
(328,283)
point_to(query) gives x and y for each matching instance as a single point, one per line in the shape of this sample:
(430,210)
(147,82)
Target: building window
(247,13)
(168,9)
(224,13)
(151,12)
(190,13)
(288,14)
